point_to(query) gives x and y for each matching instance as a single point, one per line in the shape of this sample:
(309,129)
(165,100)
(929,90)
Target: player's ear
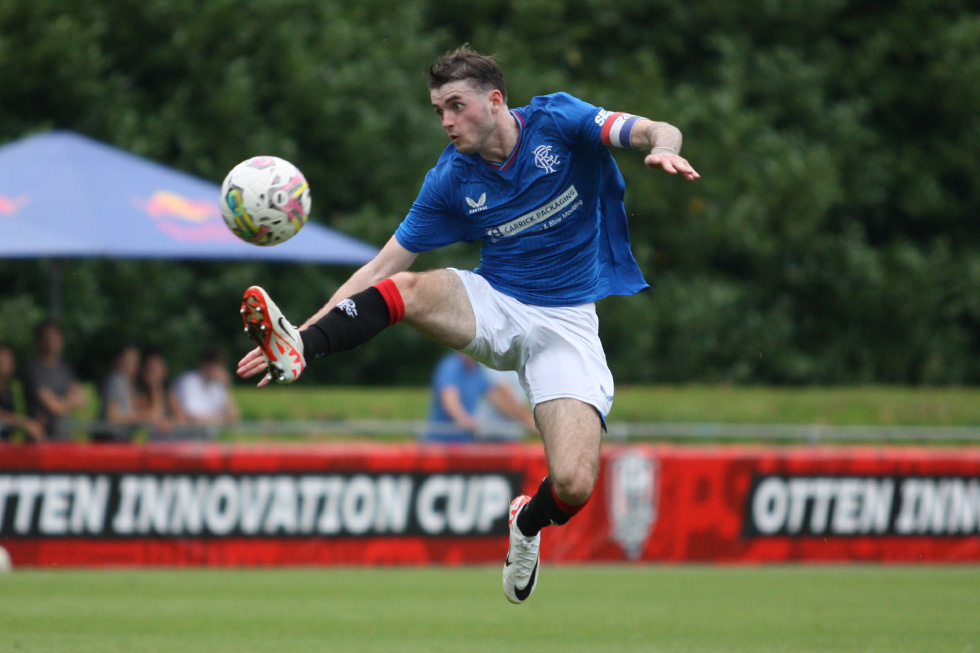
(496,99)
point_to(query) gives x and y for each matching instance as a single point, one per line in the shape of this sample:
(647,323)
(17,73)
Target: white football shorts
(555,350)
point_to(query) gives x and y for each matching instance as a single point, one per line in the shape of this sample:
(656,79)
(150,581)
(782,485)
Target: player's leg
(433,302)
(438,306)
(571,430)
(569,382)
(572,433)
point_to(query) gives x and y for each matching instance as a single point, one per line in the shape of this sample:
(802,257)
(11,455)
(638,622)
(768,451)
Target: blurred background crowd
(139,400)
(137,397)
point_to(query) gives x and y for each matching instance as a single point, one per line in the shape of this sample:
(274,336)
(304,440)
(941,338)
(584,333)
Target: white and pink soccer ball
(265,200)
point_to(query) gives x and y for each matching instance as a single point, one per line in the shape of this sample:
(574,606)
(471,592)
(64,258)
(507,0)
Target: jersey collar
(501,166)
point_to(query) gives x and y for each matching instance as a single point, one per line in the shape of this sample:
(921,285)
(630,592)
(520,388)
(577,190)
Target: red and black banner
(193,504)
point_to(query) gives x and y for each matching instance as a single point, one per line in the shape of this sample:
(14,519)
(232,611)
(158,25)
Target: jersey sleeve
(429,223)
(575,118)
(590,123)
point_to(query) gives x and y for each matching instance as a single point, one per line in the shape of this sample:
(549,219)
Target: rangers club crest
(544,159)
(632,499)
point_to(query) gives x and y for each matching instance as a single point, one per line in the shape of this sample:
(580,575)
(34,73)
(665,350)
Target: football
(265,200)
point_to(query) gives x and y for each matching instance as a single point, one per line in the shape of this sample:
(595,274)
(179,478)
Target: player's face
(465,113)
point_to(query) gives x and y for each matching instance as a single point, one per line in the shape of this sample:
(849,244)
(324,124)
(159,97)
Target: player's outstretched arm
(664,142)
(392,258)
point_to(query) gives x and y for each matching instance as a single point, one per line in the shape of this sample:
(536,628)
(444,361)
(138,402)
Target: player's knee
(407,284)
(573,486)
(421,291)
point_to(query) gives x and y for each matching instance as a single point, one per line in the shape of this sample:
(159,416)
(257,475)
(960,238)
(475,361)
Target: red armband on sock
(393,299)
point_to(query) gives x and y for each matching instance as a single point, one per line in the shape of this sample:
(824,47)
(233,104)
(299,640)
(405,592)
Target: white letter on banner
(28,489)
(329,522)
(188,513)
(964,510)
(145,503)
(221,510)
(823,494)
(799,493)
(358,505)
(89,506)
(282,511)
(928,504)
(255,494)
(5,484)
(125,520)
(310,492)
(54,506)
(876,507)
(394,502)
(496,502)
(429,519)
(845,517)
(769,505)
(940,510)
(905,522)
(156,504)
(461,503)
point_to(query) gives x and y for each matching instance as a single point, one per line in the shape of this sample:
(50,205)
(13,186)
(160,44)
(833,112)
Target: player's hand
(672,163)
(254,363)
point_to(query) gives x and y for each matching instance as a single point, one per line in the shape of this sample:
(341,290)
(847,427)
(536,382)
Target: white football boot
(278,340)
(521,565)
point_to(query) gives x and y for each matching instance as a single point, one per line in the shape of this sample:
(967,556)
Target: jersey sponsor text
(535,217)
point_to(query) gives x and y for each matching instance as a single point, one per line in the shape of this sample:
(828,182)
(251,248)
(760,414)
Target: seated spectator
(118,397)
(203,397)
(458,383)
(14,422)
(503,413)
(154,401)
(53,392)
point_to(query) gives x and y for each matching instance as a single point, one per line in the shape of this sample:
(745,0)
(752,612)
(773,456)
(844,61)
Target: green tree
(831,239)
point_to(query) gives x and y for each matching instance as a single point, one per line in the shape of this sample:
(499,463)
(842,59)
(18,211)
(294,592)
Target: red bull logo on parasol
(9,206)
(184,218)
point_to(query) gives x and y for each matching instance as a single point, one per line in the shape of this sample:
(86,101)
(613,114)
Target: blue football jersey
(551,217)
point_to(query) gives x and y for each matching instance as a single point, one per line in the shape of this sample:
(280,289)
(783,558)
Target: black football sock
(354,321)
(544,509)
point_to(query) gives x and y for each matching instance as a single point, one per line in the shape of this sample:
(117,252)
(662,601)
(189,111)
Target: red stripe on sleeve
(393,299)
(607,127)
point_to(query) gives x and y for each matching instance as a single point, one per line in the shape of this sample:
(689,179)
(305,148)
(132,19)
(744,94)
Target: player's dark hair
(464,63)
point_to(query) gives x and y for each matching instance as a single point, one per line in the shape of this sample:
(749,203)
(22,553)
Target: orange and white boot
(278,340)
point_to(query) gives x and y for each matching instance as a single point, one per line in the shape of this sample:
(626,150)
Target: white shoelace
(526,554)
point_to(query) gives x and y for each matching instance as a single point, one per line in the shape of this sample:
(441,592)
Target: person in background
(503,413)
(203,397)
(119,416)
(13,418)
(53,391)
(458,384)
(155,403)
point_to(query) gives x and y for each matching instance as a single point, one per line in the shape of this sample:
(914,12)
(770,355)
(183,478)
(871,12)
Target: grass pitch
(590,608)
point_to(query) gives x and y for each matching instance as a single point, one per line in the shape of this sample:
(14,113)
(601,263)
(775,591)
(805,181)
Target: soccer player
(539,187)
